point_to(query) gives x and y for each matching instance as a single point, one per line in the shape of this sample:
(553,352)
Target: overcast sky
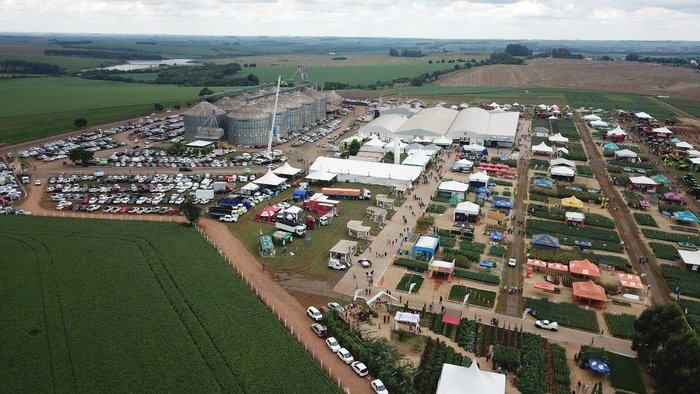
(538,19)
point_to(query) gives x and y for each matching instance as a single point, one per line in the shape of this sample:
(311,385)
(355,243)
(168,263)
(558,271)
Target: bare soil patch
(628,77)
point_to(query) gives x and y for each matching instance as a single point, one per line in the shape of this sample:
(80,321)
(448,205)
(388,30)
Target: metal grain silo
(319,103)
(280,116)
(200,115)
(248,126)
(227,104)
(308,112)
(294,116)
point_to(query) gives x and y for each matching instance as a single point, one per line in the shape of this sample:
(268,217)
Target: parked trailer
(322,206)
(297,229)
(351,194)
(221,187)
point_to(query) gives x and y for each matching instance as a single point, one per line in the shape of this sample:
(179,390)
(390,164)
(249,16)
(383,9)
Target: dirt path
(626,225)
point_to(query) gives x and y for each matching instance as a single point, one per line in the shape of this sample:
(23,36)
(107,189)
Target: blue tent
(300,194)
(582,243)
(503,204)
(425,246)
(484,190)
(611,146)
(487,264)
(496,236)
(542,182)
(598,366)
(545,241)
(686,216)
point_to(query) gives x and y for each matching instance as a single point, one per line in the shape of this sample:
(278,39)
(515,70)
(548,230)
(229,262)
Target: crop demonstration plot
(135,306)
(565,314)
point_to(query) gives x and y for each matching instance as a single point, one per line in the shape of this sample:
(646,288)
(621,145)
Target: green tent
(455,200)
(266,245)
(282,237)
(660,178)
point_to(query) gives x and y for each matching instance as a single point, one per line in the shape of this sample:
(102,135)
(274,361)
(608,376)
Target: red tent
(267,214)
(450,319)
(585,268)
(558,267)
(589,291)
(676,198)
(537,263)
(631,281)
(546,286)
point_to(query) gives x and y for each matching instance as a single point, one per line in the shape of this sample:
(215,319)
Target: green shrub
(407,280)
(507,357)
(672,237)
(497,251)
(689,282)
(476,296)
(624,373)
(412,265)
(436,208)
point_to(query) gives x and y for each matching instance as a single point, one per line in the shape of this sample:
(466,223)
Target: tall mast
(274,115)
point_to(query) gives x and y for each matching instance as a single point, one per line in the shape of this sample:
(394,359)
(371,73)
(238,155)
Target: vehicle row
(13,211)
(160,210)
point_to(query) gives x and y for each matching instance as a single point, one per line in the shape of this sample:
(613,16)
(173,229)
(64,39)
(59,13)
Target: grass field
(118,307)
(39,107)
(307,257)
(611,101)
(67,63)
(691,107)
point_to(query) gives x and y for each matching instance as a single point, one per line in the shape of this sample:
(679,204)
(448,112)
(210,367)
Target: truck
(24,177)
(221,187)
(204,194)
(320,204)
(222,210)
(336,264)
(349,194)
(297,229)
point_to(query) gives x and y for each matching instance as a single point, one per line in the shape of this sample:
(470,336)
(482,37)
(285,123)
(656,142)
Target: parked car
(512,262)
(333,344)
(359,368)
(547,325)
(378,387)
(345,355)
(229,218)
(319,329)
(336,306)
(365,263)
(314,313)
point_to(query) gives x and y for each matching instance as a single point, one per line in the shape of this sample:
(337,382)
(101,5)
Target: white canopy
(453,186)
(270,179)
(558,138)
(662,130)
(250,187)
(684,145)
(690,258)
(643,180)
(286,169)
(566,151)
(599,123)
(617,131)
(693,153)
(446,265)
(442,140)
(375,142)
(542,148)
(643,115)
(625,153)
(591,117)
(462,163)
(418,159)
(467,208)
(405,317)
(575,216)
(455,379)
(482,176)
(372,173)
(389,147)
(562,171)
(321,175)
(474,148)
(562,162)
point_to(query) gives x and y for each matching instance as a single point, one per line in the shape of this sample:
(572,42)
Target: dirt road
(624,221)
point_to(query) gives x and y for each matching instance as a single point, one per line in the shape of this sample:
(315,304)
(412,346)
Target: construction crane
(274,115)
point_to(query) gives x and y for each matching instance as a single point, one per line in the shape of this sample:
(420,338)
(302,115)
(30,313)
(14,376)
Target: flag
(466,298)
(357,294)
(410,287)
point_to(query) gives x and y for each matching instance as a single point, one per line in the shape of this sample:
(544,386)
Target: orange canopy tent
(589,291)
(558,267)
(585,268)
(546,286)
(631,281)
(537,263)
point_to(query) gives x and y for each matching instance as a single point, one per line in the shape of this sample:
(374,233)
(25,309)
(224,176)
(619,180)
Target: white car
(547,325)
(336,306)
(314,313)
(378,387)
(512,262)
(345,355)
(37,182)
(229,218)
(359,368)
(365,263)
(333,344)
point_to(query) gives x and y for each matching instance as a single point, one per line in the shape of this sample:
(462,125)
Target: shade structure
(557,267)
(599,123)
(562,171)
(574,216)
(684,145)
(591,117)
(495,236)
(375,142)
(542,148)
(537,263)
(543,182)
(611,146)
(286,170)
(598,366)
(630,281)
(502,204)
(643,181)
(474,148)
(686,216)
(450,319)
(250,187)
(269,179)
(589,291)
(467,208)
(585,268)
(445,267)
(660,179)
(442,141)
(675,197)
(558,138)
(690,258)
(545,241)
(572,202)
(546,286)
(453,187)
(266,245)
(406,317)
(470,380)
(625,154)
(321,176)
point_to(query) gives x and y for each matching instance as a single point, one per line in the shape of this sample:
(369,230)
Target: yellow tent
(572,202)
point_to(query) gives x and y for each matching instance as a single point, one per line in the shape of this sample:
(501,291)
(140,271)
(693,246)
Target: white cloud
(552,19)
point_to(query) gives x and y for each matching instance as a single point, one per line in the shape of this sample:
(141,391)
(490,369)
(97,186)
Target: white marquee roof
(491,125)
(482,176)
(542,147)
(617,131)
(270,179)
(474,148)
(468,208)
(575,216)
(591,117)
(564,162)
(684,145)
(625,153)
(430,122)
(321,175)
(643,180)
(453,186)
(562,171)
(662,130)
(286,169)
(366,168)
(599,123)
(558,138)
(690,258)
(385,124)
(374,142)
(455,379)
(417,159)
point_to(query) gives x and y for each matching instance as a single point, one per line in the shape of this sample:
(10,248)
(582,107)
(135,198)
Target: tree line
(669,61)
(122,55)
(204,75)
(406,52)
(25,67)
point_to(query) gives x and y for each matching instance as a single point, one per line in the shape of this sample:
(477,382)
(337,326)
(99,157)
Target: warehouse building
(490,129)
(428,124)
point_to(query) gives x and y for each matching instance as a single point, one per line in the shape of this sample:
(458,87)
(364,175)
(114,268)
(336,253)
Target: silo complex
(280,117)
(228,104)
(319,103)
(308,112)
(248,125)
(198,116)
(294,114)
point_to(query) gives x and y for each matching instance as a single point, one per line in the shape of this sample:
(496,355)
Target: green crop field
(624,373)
(39,107)
(622,325)
(691,107)
(564,313)
(122,306)
(612,101)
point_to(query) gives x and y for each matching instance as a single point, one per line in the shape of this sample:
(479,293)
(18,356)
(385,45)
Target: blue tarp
(574,188)
(496,236)
(502,204)
(487,264)
(300,194)
(598,366)
(491,184)
(481,196)
(583,243)
(611,146)
(541,182)
(545,241)
(484,190)
(686,216)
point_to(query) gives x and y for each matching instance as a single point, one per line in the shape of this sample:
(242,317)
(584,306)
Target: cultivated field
(120,307)
(625,77)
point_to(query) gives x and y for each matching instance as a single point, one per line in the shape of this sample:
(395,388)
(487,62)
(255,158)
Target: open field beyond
(628,77)
(135,306)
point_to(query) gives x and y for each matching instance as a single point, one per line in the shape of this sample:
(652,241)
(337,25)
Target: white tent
(462,163)
(562,162)
(558,138)
(250,187)
(467,208)
(690,258)
(270,179)
(474,148)
(599,123)
(642,180)
(575,216)
(375,142)
(542,148)
(591,117)
(643,115)
(420,159)
(562,171)
(625,154)
(563,150)
(684,145)
(321,175)
(453,186)
(693,153)
(455,379)
(406,317)
(482,177)
(287,170)
(662,130)
(617,131)
(442,141)
(372,173)
(389,147)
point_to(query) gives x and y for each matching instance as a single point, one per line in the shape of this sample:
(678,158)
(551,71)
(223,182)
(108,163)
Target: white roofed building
(430,122)
(383,127)
(372,173)
(476,125)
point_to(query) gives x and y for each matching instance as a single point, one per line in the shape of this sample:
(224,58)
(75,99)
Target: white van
(336,264)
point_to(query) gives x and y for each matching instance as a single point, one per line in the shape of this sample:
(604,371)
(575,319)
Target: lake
(139,64)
